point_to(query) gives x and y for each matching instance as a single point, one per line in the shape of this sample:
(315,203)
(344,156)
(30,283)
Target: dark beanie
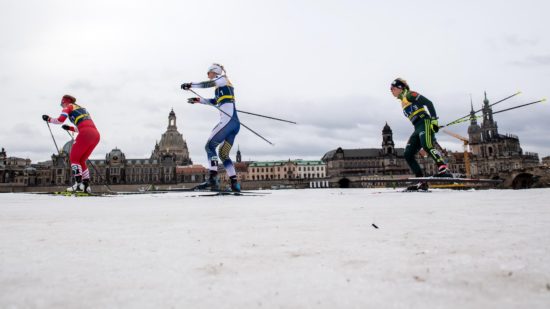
(400,83)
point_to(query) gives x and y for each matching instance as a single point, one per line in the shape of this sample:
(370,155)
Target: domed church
(172,144)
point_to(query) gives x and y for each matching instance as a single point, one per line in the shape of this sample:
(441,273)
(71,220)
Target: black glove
(193,100)
(45,117)
(435,125)
(186,86)
(66,127)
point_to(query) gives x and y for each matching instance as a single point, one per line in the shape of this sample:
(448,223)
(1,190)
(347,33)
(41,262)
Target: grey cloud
(517,41)
(533,61)
(84,85)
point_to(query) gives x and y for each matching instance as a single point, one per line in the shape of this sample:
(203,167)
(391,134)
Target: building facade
(492,152)
(286,170)
(384,161)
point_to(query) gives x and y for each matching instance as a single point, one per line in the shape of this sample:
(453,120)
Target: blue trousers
(223,134)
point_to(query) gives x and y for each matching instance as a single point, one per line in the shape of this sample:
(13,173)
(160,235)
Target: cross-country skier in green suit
(421,112)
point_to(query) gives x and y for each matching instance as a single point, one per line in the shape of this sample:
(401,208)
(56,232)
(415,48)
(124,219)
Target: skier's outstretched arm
(218,82)
(202,101)
(69,128)
(58,120)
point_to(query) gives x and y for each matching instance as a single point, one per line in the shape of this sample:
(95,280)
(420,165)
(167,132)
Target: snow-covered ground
(288,249)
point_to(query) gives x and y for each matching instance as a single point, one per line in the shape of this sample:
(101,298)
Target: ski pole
(269,117)
(459,120)
(249,129)
(51,133)
(500,111)
(522,105)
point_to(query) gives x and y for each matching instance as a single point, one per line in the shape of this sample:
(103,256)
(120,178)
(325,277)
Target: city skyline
(237,147)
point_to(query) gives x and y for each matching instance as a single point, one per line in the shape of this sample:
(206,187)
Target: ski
(84,194)
(195,189)
(75,194)
(115,193)
(402,191)
(223,193)
(452,179)
(414,191)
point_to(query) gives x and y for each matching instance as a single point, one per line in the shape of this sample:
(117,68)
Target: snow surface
(289,249)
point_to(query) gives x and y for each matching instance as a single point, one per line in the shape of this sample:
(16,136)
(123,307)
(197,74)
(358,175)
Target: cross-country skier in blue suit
(225,131)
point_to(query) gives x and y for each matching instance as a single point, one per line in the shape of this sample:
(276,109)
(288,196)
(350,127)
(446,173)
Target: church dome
(172,144)
(67,147)
(116,155)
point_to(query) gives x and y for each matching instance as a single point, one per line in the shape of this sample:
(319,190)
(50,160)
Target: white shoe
(77,187)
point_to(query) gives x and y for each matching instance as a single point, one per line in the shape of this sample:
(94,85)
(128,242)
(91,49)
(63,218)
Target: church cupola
(172,121)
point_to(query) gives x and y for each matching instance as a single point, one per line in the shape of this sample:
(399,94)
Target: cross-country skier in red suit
(85,142)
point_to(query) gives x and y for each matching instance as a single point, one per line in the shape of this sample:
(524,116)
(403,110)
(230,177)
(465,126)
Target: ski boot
(421,186)
(86,183)
(235,185)
(212,183)
(77,187)
(443,171)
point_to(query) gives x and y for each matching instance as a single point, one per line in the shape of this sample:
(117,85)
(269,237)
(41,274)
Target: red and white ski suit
(86,140)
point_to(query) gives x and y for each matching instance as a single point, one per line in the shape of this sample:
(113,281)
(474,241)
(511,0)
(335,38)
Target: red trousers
(85,142)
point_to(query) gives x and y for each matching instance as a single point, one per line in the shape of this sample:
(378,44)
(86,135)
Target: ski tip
(543,99)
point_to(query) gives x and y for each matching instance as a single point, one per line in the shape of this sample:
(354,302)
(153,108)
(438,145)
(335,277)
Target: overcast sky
(325,64)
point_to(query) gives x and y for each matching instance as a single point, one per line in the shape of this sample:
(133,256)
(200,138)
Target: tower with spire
(3,156)
(489,129)
(239,157)
(388,145)
(474,132)
(491,144)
